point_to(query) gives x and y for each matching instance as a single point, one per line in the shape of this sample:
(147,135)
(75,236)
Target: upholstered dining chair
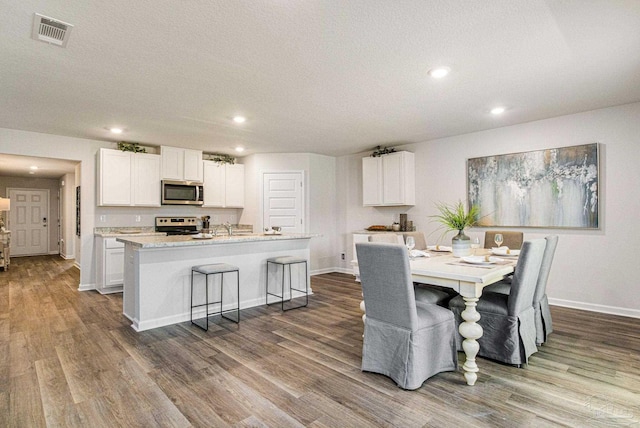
(404,340)
(508,320)
(512,239)
(544,324)
(418,237)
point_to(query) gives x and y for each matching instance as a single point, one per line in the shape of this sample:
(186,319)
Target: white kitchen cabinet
(128,179)
(389,180)
(114,177)
(110,266)
(223,185)
(181,164)
(146,180)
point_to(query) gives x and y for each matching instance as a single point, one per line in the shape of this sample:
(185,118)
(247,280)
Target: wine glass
(498,239)
(475,244)
(411,243)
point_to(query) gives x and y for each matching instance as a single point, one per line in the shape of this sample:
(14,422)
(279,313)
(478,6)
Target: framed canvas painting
(544,188)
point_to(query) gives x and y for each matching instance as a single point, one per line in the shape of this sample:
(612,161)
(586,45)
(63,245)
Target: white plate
(201,236)
(440,248)
(505,252)
(481,260)
(272,232)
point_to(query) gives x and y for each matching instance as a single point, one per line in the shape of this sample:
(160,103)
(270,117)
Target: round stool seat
(285,260)
(214,268)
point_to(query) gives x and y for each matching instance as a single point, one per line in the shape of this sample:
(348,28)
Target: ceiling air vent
(50,30)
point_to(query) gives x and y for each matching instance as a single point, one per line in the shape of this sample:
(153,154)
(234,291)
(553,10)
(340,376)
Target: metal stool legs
(215,270)
(284,262)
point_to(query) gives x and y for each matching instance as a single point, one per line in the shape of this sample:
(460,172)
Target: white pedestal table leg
(471,331)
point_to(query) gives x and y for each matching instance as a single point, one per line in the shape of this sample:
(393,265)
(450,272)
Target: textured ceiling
(328,77)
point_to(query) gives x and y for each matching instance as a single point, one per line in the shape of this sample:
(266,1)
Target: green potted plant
(455,217)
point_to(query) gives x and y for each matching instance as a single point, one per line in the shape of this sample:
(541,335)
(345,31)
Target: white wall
(320,203)
(593,269)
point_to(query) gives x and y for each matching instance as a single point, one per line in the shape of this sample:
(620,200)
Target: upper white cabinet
(223,185)
(146,180)
(181,164)
(389,180)
(127,179)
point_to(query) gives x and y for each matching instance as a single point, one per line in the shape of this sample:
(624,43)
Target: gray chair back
(512,239)
(526,275)
(545,268)
(421,243)
(386,283)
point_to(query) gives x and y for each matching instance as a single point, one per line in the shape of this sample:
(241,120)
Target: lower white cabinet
(223,185)
(110,272)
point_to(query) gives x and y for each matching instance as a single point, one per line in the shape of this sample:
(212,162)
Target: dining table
(468,279)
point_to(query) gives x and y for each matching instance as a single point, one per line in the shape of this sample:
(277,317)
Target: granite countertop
(114,232)
(189,240)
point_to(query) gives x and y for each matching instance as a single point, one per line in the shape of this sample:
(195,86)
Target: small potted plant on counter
(455,217)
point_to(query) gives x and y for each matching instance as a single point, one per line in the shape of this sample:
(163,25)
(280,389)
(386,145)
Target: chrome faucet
(229,228)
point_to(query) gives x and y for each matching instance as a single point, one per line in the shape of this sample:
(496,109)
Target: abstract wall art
(544,188)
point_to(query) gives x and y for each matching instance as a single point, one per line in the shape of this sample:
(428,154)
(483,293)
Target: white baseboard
(613,310)
(68,257)
(331,270)
(54,253)
(86,287)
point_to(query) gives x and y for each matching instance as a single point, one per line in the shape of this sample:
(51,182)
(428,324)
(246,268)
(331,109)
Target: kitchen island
(157,272)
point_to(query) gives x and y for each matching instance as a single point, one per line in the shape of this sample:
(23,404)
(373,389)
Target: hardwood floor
(69,359)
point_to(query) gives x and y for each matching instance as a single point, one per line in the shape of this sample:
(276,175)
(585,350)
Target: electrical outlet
(103,218)
(138,219)
(342,256)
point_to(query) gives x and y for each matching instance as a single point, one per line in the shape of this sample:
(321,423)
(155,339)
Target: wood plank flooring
(70,359)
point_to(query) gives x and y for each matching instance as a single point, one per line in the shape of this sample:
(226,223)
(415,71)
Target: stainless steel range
(177,225)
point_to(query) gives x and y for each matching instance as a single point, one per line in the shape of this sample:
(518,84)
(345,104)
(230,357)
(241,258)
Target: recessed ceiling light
(439,72)
(239,149)
(497,110)
(33,167)
(239,119)
(116,130)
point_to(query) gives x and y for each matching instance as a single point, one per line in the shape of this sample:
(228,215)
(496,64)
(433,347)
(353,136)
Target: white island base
(157,274)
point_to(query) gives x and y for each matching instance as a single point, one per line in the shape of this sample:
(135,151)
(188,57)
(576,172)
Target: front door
(283,201)
(28,220)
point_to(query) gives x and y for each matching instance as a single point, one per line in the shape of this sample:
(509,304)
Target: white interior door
(28,220)
(283,201)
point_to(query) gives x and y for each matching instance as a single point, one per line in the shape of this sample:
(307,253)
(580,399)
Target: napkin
(418,253)
(504,251)
(438,248)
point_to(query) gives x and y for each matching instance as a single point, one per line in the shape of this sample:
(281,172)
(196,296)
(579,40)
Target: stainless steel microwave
(181,192)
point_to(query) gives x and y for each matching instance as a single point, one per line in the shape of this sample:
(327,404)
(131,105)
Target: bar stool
(215,269)
(288,261)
